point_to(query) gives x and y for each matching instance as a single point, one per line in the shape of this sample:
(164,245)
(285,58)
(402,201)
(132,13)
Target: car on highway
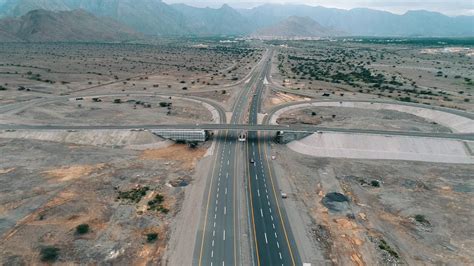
(252,161)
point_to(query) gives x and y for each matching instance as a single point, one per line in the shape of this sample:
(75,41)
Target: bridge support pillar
(284,137)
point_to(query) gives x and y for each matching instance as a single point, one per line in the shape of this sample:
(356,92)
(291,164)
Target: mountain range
(296,27)
(78,25)
(154,17)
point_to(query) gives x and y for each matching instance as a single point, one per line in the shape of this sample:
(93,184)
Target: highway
(218,241)
(241,171)
(273,241)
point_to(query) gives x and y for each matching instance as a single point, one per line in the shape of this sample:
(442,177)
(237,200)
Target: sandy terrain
(359,118)
(52,69)
(131,111)
(429,74)
(51,188)
(360,146)
(417,214)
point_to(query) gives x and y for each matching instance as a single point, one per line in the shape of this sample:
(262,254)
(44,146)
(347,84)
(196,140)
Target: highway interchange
(242,173)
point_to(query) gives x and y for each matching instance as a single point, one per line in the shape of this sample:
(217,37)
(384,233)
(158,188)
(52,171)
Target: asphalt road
(273,240)
(218,241)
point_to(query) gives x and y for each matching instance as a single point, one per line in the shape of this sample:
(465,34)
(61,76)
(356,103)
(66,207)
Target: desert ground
(430,74)
(379,212)
(115,196)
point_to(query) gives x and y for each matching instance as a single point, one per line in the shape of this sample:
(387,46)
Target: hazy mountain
(78,25)
(8,37)
(147,16)
(157,18)
(296,27)
(210,21)
(367,22)
(16,8)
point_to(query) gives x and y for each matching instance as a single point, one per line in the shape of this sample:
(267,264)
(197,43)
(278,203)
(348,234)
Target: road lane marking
(226,191)
(266,239)
(213,234)
(278,244)
(278,205)
(261,212)
(207,205)
(258,192)
(280,255)
(213,242)
(212,254)
(225,210)
(223,235)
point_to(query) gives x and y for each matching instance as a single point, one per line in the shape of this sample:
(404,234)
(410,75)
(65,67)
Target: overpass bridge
(205,128)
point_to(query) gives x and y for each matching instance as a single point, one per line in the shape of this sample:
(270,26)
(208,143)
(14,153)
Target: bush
(421,219)
(134,195)
(375,183)
(49,254)
(151,237)
(82,229)
(384,246)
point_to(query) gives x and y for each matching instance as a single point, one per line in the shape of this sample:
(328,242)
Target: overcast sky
(448,7)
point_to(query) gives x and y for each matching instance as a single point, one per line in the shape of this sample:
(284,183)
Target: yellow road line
(276,199)
(209,198)
(235,208)
(251,207)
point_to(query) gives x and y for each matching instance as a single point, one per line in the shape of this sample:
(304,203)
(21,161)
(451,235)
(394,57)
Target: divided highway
(218,241)
(273,240)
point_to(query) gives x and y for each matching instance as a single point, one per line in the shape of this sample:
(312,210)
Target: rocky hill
(78,25)
(154,17)
(296,27)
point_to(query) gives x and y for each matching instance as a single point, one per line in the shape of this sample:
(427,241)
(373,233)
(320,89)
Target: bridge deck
(250,128)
